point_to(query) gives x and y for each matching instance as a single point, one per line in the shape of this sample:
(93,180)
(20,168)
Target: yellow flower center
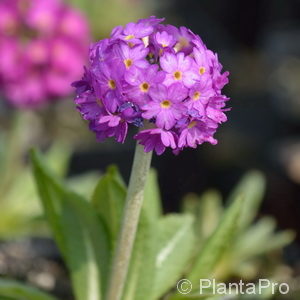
(144,87)
(196,96)
(129,37)
(166,104)
(130,44)
(112,84)
(128,63)
(177,75)
(202,70)
(192,124)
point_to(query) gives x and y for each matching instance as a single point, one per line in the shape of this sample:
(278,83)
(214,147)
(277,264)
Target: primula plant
(118,244)
(163,80)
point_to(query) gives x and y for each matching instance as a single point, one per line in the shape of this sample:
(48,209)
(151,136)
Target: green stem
(134,201)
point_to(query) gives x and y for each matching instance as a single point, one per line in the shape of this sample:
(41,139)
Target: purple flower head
(43,45)
(150,74)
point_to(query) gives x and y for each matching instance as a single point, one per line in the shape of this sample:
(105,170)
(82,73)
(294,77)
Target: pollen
(144,87)
(166,104)
(177,75)
(128,63)
(192,124)
(202,70)
(196,96)
(129,37)
(112,84)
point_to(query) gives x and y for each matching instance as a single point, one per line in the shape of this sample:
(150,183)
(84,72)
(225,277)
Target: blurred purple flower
(42,47)
(157,74)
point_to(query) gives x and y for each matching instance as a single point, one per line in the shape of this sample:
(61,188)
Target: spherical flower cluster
(42,49)
(157,77)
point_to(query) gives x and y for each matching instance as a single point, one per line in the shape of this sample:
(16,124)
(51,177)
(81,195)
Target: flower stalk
(133,205)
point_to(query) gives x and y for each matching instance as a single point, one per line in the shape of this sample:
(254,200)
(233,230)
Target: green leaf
(175,244)
(152,199)
(253,241)
(161,252)
(207,211)
(84,184)
(218,243)
(15,290)
(58,157)
(190,204)
(140,279)
(23,210)
(108,200)
(78,231)
(210,212)
(252,187)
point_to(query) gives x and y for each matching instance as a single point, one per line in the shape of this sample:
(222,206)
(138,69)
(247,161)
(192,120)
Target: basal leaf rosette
(157,77)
